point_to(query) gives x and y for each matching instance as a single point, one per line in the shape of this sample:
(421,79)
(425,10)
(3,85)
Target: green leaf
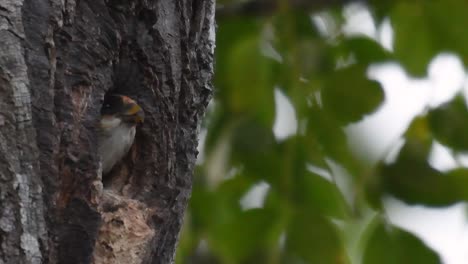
(317,194)
(364,49)
(425,28)
(242,70)
(349,95)
(222,202)
(249,86)
(311,57)
(314,153)
(304,53)
(250,235)
(231,33)
(449,123)
(254,148)
(447,22)
(418,144)
(419,133)
(381,8)
(390,245)
(291,27)
(325,131)
(414,47)
(412,179)
(313,239)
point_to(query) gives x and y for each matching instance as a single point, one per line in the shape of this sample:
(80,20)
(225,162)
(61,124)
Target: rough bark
(58,60)
(22,225)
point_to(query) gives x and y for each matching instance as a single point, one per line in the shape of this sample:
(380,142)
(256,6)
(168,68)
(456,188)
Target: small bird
(119,117)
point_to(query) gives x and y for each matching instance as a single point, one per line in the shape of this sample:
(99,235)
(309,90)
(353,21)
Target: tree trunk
(58,58)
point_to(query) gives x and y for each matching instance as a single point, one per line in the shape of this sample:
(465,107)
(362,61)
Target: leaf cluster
(318,189)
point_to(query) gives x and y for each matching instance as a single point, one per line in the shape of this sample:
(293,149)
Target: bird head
(119,117)
(121,108)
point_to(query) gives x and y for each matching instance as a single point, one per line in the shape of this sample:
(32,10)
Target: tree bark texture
(58,58)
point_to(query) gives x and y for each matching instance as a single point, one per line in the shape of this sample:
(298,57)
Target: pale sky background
(445,230)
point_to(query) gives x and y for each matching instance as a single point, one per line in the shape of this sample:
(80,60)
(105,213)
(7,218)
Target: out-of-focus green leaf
(250,86)
(412,179)
(305,190)
(348,95)
(311,58)
(313,239)
(250,235)
(390,245)
(222,202)
(329,135)
(304,54)
(256,54)
(418,144)
(381,8)
(363,49)
(425,28)
(449,123)
(447,22)
(204,204)
(419,133)
(313,151)
(242,69)
(232,32)
(294,25)
(254,147)
(413,43)
(302,190)
(216,215)
(317,194)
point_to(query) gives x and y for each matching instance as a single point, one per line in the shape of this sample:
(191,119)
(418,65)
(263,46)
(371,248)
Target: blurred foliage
(315,188)
(392,245)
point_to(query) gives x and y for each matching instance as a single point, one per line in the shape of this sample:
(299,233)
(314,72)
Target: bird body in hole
(119,117)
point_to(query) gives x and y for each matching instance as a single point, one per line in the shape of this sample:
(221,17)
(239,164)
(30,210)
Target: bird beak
(135,113)
(140,117)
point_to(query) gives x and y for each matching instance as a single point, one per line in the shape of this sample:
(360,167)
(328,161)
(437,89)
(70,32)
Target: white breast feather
(115,141)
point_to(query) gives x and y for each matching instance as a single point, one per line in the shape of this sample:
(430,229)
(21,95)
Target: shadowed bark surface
(58,60)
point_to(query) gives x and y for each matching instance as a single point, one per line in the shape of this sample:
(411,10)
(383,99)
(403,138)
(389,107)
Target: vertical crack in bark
(22,226)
